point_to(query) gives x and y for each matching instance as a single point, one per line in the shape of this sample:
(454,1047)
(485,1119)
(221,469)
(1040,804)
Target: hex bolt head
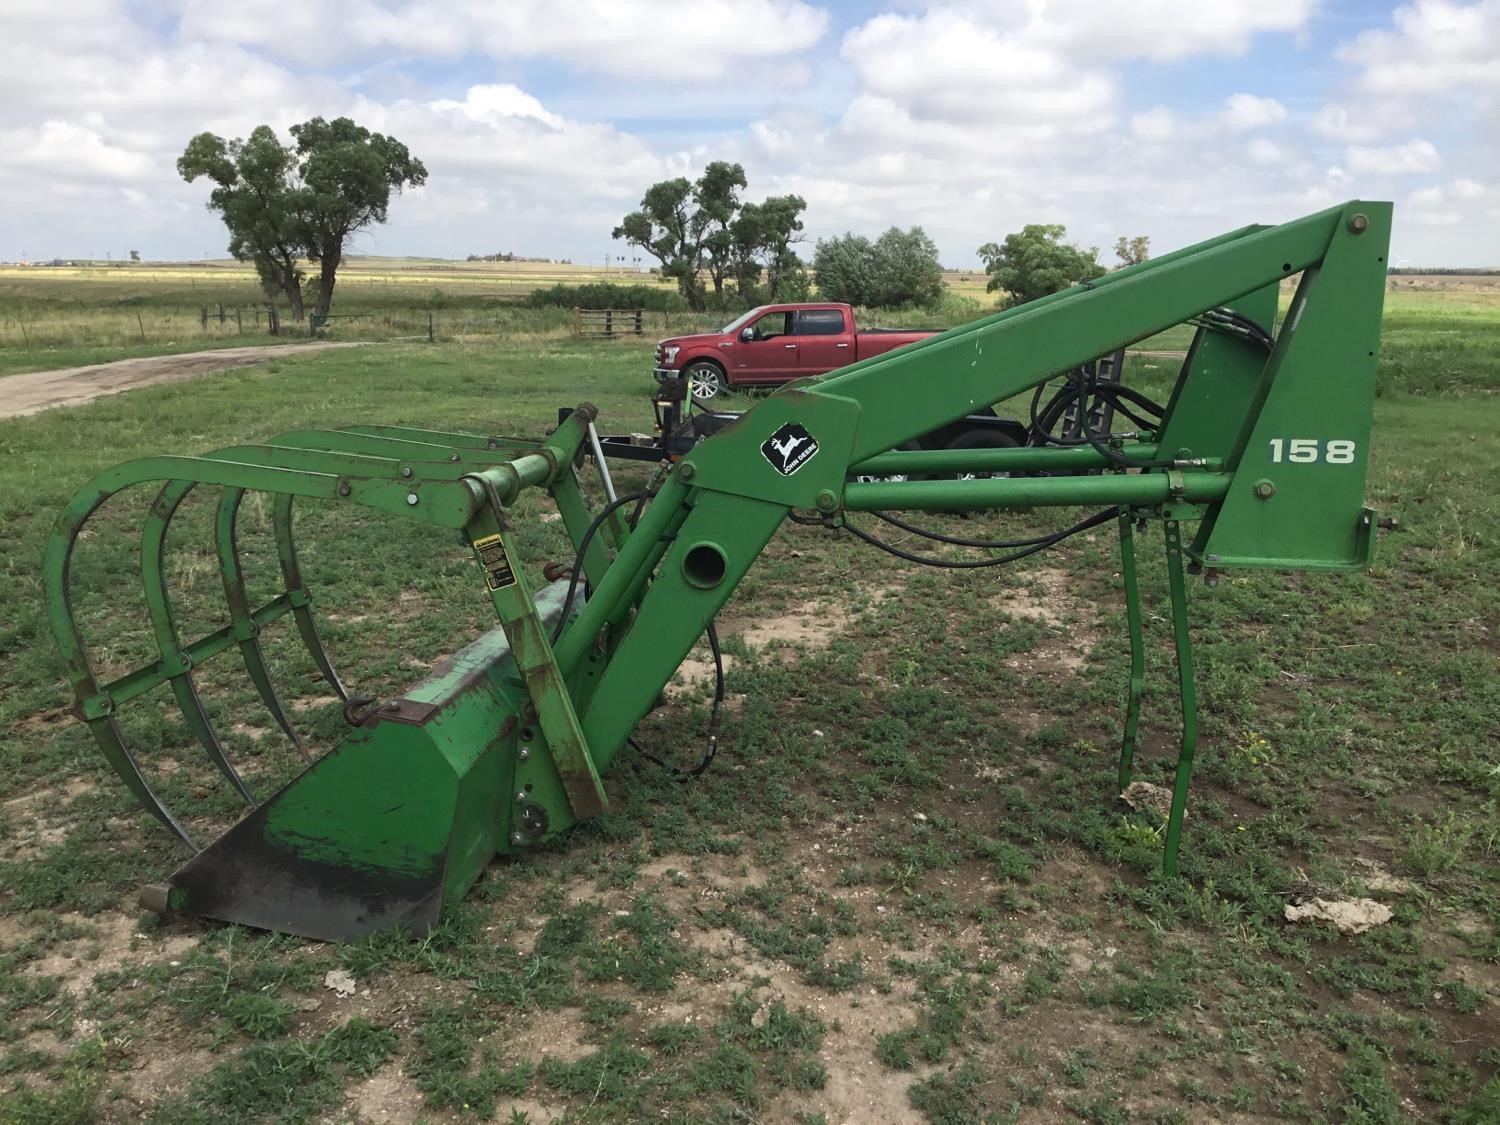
(521,797)
(687,470)
(1359,223)
(1264,490)
(344,488)
(517,838)
(411,498)
(523,753)
(406,470)
(827,501)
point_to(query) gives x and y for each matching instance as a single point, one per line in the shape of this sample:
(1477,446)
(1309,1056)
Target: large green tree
(693,226)
(1035,261)
(844,267)
(762,241)
(348,174)
(905,269)
(283,203)
(716,195)
(255,192)
(900,267)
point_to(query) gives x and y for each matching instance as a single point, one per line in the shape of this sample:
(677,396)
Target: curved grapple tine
(175,660)
(56,570)
(112,742)
(246,631)
(291,573)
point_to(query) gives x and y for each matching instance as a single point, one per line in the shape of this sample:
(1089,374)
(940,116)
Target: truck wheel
(982,439)
(705,380)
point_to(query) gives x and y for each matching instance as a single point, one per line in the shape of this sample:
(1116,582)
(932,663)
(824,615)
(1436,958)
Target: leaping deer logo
(784,448)
(789,448)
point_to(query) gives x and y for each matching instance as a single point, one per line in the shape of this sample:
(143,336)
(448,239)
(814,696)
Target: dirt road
(40,390)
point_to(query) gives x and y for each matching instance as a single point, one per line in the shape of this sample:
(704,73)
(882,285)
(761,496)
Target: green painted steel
(1021,460)
(1182,640)
(1264,444)
(1136,682)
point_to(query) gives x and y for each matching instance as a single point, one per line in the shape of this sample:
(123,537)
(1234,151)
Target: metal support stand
(1137,646)
(1178,587)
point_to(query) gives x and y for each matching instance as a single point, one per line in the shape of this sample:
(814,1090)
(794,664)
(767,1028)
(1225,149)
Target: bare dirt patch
(36,391)
(1046,595)
(110,942)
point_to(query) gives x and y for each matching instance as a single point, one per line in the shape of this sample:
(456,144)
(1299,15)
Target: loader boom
(1263,445)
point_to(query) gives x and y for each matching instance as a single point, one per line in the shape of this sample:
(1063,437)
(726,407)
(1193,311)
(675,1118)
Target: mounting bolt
(517,838)
(406,470)
(521,797)
(1359,223)
(827,501)
(523,753)
(344,488)
(411,498)
(687,470)
(1264,489)
(1388,523)
(1211,577)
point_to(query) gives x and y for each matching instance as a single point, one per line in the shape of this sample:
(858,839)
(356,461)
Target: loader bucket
(403,814)
(394,822)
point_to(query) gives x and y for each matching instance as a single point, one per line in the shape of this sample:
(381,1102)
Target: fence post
(639,330)
(609,324)
(239,323)
(431,339)
(577,321)
(140,324)
(273,320)
(222,317)
(203,315)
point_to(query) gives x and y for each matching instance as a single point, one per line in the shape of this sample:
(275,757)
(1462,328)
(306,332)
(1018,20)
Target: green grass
(905,876)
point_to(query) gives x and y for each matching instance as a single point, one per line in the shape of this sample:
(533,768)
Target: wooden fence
(606,324)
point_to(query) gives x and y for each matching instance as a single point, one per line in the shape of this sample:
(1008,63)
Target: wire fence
(144,325)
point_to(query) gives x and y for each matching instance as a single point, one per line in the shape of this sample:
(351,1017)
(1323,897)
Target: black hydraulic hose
(583,545)
(1095,520)
(712,749)
(956,540)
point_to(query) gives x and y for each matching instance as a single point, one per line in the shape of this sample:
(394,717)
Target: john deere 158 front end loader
(1257,460)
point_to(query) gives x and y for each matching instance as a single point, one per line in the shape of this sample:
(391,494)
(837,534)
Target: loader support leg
(551,705)
(1178,587)
(1137,646)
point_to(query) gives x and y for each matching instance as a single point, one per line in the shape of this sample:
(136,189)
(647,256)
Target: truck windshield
(740,321)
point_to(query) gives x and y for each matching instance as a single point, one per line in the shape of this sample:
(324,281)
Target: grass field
(904,892)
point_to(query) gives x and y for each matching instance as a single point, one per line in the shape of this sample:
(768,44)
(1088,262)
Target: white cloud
(1243,112)
(1156,124)
(1414,156)
(626,38)
(946,66)
(1434,47)
(1335,122)
(1163,29)
(1467,189)
(1262,151)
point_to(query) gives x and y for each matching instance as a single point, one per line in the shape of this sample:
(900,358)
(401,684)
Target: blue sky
(541,121)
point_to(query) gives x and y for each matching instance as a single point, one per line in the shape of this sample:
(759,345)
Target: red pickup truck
(774,344)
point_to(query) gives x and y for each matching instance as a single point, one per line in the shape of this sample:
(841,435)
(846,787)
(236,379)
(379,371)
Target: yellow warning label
(491,551)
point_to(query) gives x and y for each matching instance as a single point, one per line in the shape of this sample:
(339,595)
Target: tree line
(284,204)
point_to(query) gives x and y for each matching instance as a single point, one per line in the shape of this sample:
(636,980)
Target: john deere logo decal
(789,448)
